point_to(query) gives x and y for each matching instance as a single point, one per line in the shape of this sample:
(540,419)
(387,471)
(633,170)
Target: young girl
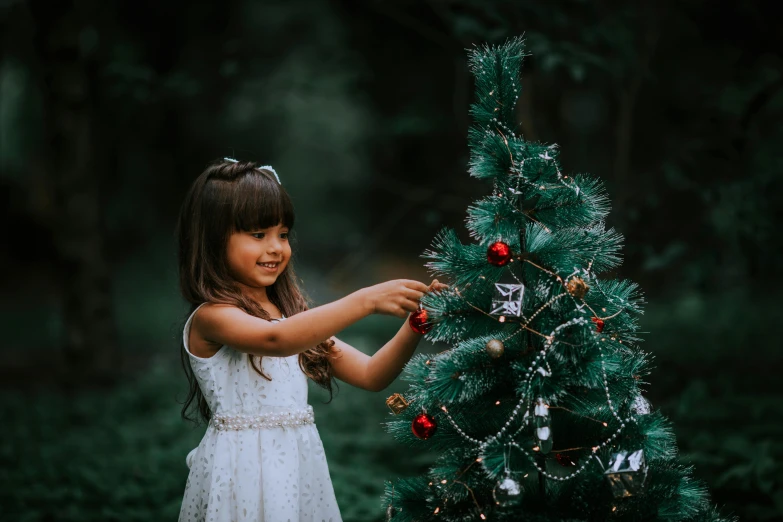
(250,343)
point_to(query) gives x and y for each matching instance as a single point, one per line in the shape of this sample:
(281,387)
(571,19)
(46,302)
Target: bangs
(260,202)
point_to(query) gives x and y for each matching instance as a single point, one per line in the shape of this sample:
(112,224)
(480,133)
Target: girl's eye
(284,235)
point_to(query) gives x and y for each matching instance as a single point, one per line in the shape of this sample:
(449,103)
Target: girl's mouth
(269,267)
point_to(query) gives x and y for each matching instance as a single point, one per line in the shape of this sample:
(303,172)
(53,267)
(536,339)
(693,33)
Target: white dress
(261,458)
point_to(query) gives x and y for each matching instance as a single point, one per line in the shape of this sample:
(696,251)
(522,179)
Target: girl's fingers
(409,305)
(437,285)
(414,295)
(417,285)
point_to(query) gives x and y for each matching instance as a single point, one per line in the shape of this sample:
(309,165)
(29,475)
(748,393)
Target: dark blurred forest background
(108,110)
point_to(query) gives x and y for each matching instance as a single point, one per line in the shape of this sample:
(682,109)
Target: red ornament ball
(424,426)
(498,253)
(599,324)
(418,322)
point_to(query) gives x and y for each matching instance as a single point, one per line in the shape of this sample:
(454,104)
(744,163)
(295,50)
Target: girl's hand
(398,297)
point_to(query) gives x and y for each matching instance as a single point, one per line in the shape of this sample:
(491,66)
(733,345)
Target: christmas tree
(536,408)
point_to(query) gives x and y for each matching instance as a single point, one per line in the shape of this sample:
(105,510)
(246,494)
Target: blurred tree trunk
(73,160)
(626,103)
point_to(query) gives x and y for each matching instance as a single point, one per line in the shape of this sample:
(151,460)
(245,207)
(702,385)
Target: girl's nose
(274,246)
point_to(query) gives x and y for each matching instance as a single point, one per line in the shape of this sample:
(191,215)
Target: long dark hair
(225,198)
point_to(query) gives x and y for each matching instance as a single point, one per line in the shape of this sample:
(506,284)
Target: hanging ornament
(640,406)
(543,432)
(498,254)
(397,403)
(391,511)
(507,492)
(599,324)
(564,459)
(626,473)
(577,287)
(418,321)
(424,426)
(495,348)
(507,299)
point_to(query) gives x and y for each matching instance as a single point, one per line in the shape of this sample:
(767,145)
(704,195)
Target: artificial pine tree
(537,406)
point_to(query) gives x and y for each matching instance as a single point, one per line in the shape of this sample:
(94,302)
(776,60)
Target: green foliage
(96,456)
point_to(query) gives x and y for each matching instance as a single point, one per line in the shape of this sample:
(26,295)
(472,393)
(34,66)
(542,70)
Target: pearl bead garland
(606,385)
(280,419)
(529,381)
(536,366)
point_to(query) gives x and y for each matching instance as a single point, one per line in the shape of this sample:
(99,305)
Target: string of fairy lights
(540,364)
(536,368)
(540,361)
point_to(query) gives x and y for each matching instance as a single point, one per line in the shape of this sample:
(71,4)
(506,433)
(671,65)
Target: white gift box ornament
(507,299)
(626,473)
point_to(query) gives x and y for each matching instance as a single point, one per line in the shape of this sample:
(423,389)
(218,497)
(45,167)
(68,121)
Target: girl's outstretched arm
(377,372)
(219,324)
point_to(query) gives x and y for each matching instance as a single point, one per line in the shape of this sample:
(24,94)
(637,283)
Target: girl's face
(258,257)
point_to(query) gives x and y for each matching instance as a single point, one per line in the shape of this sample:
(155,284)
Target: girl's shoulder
(196,343)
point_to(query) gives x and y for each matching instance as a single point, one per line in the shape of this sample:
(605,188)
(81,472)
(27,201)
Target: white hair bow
(266,167)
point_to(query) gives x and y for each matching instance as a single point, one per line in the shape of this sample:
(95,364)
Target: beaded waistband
(274,419)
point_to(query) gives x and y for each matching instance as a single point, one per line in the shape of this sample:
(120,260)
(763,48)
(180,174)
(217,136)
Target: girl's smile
(256,258)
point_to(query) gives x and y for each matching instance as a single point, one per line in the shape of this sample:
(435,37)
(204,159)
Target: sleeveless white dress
(261,458)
